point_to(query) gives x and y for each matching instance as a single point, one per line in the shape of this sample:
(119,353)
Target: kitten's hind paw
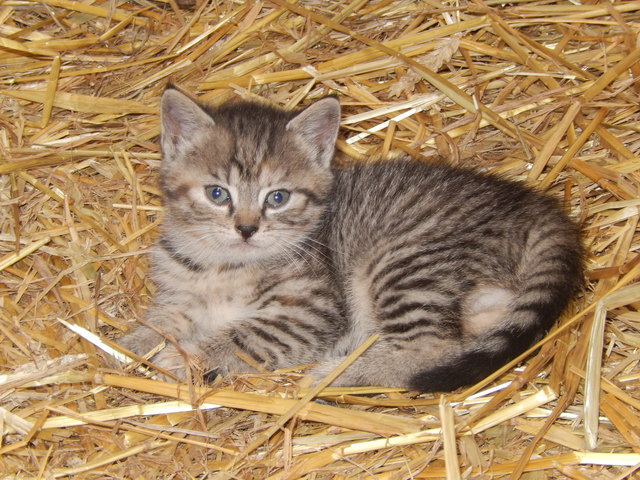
(323,369)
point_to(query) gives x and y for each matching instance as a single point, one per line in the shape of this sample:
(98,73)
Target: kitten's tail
(545,290)
(477,360)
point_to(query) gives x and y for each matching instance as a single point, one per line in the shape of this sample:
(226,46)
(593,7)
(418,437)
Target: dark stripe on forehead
(247,165)
(236,163)
(250,155)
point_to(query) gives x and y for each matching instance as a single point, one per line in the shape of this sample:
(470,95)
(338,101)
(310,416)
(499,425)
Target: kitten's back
(459,272)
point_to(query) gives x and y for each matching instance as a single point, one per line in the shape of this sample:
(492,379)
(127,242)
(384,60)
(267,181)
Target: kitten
(269,251)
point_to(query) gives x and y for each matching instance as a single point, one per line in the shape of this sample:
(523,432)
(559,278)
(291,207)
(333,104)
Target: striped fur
(457,271)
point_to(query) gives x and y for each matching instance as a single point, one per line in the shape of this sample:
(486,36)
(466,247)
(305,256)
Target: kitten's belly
(221,300)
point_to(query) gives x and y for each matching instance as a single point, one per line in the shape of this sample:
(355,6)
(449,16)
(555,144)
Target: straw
(540,92)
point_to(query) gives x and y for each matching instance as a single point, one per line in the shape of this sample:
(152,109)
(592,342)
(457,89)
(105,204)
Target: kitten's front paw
(140,340)
(177,363)
(170,359)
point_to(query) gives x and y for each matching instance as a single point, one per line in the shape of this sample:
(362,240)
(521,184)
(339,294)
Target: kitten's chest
(222,299)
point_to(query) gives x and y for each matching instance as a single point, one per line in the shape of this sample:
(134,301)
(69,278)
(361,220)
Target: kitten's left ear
(317,127)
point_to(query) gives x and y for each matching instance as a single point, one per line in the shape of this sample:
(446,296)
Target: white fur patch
(485,307)
(361,312)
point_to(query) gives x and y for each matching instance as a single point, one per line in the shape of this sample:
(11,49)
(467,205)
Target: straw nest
(541,91)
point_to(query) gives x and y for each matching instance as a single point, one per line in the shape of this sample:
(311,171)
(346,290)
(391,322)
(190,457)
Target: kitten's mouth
(243,245)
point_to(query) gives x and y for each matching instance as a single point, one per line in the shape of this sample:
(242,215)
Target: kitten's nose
(246,231)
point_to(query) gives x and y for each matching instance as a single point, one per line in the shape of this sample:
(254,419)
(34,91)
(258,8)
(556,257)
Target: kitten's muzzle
(246,231)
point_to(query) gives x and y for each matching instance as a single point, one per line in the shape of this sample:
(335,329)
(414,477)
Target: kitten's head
(243,182)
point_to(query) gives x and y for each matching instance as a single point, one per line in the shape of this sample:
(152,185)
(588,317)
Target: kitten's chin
(244,253)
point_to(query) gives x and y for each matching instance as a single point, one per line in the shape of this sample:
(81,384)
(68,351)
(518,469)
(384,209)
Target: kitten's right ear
(181,118)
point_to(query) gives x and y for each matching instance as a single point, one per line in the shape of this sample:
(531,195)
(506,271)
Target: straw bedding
(546,92)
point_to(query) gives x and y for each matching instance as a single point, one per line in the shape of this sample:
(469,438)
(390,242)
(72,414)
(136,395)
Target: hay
(544,92)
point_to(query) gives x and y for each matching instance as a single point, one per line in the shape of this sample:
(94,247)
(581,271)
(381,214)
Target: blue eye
(277,198)
(217,194)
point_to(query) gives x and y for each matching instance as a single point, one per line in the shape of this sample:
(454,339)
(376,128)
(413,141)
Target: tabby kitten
(269,252)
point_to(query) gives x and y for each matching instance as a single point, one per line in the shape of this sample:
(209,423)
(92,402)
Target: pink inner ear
(171,126)
(327,130)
